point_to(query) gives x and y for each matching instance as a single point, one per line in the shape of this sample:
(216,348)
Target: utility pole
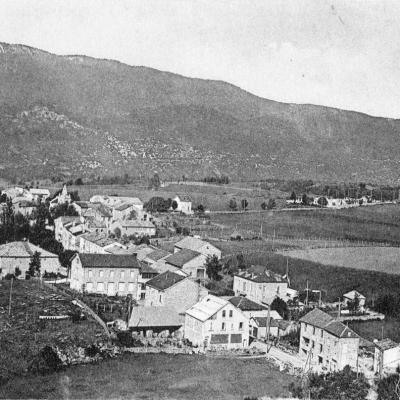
(339,308)
(9,301)
(307,294)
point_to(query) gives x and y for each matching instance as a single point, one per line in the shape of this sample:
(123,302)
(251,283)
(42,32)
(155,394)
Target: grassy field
(150,376)
(384,259)
(370,330)
(372,224)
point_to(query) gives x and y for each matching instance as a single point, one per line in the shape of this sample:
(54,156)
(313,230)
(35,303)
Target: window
(312,344)
(211,326)
(232,327)
(277,290)
(313,331)
(320,360)
(90,273)
(89,286)
(160,298)
(240,326)
(122,274)
(132,273)
(131,286)
(111,274)
(223,326)
(142,296)
(101,273)
(121,287)
(100,287)
(320,348)
(223,314)
(322,333)
(230,313)
(143,286)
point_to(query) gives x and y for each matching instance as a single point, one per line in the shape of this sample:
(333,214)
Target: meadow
(371,258)
(157,376)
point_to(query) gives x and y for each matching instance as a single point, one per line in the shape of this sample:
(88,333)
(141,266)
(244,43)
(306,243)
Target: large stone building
(18,255)
(190,262)
(260,285)
(196,244)
(214,322)
(173,290)
(326,343)
(108,274)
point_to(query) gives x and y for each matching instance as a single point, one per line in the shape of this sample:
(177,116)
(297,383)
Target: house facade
(173,290)
(327,344)
(190,262)
(134,227)
(215,323)
(184,204)
(349,297)
(107,274)
(259,284)
(386,357)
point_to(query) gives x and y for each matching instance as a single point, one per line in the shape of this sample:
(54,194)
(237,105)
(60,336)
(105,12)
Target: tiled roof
(100,239)
(262,322)
(136,223)
(154,317)
(191,243)
(123,206)
(352,294)
(386,344)
(92,260)
(23,250)
(165,280)
(158,254)
(261,274)
(246,304)
(185,198)
(180,258)
(324,321)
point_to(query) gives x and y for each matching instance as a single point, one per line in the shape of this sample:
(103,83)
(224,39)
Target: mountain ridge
(239,133)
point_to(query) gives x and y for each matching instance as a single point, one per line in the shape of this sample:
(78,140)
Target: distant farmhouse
(195,244)
(184,204)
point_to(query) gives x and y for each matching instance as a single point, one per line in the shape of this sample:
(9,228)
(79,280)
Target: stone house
(107,274)
(190,262)
(386,357)
(175,291)
(214,322)
(327,344)
(252,309)
(18,255)
(196,244)
(184,204)
(134,227)
(259,284)
(93,242)
(350,296)
(123,211)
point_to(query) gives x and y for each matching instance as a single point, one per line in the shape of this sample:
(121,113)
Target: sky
(344,54)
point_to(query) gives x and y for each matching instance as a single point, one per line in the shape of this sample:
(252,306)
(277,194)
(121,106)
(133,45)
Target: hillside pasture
(383,259)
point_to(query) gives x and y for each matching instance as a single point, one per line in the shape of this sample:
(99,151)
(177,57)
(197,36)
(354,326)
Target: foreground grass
(157,376)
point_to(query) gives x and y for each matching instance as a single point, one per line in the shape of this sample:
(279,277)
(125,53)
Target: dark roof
(165,280)
(147,269)
(108,261)
(245,304)
(104,211)
(386,344)
(262,322)
(324,321)
(157,254)
(261,274)
(183,256)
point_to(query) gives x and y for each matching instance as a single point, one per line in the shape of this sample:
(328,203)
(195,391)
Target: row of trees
(223,180)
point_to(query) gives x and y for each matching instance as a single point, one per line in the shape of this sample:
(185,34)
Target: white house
(386,357)
(97,243)
(260,284)
(184,204)
(214,322)
(63,197)
(353,294)
(135,227)
(39,194)
(195,244)
(252,309)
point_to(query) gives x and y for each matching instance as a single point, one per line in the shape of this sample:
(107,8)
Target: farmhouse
(96,243)
(350,297)
(260,284)
(18,255)
(123,211)
(173,290)
(189,261)
(326,343)
(156,255)
(252,309)
(184,204)
(387,356)
(195,244)
(147,320)
(37,195)
(105,274)
(134,227)
(113,201)
(214,322)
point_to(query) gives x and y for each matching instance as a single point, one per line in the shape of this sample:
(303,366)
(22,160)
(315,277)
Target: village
(159,287)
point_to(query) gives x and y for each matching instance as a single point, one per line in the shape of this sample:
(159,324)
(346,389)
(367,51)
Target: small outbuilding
(387,356)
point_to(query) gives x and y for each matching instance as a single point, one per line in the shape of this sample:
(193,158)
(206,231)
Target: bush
(47,361)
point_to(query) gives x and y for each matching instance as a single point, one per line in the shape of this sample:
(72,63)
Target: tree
(271,204)
(304,200)
(354,305)
(155,182)
(233,204)
(35,264)
(79,181)
(213,268)
(280,306)
(389,387)
(174,204)
(117,233)
(17,272)
(244,204)
(63,210)
(200,208)
(263,205)
(293,197)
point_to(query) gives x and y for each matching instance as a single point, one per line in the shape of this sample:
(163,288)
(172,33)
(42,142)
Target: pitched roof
(92,260)
(158,254)
(207,307)
(262,321)
(123,206)
(261,274)
(165,280)
(184,198)
(322,320)
(245,304)
(40,192)
(191,243)
(386,344)
(180,258)
(100,239)
(154,316)
(23,250)
(352,294)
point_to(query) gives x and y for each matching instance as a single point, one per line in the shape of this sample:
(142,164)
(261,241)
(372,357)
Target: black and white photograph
(200,199)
